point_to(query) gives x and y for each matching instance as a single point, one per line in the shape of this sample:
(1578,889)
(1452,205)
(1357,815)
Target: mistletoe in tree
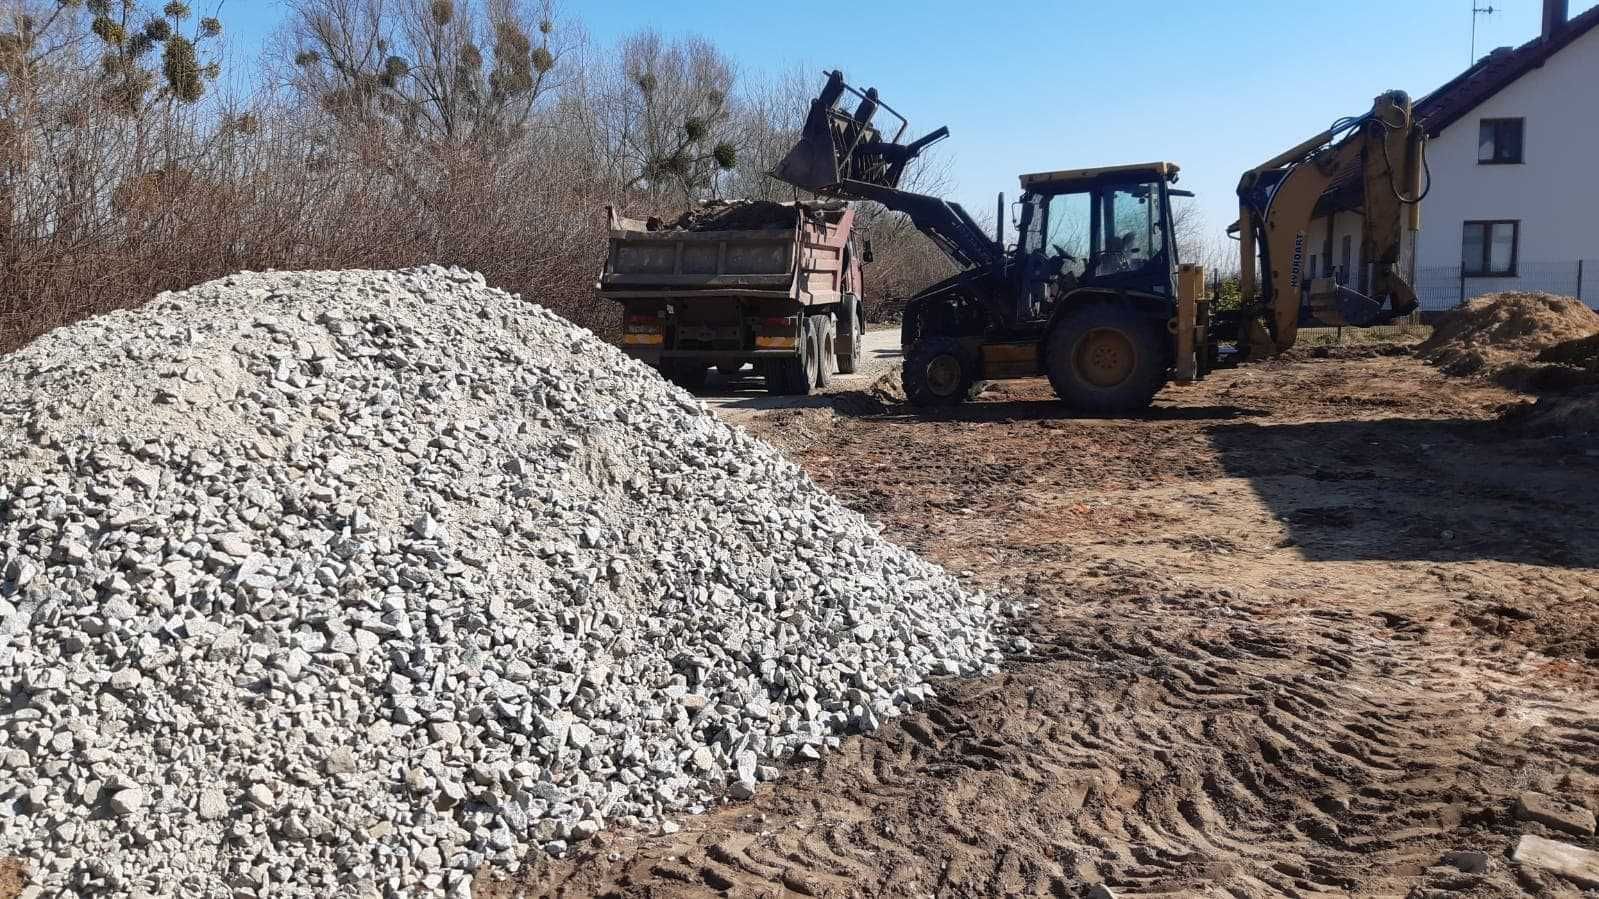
(146,62)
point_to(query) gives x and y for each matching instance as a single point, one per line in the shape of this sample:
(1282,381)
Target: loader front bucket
(837,146)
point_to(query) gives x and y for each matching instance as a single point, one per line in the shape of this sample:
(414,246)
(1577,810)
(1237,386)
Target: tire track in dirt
(1163,741)
(1201,715)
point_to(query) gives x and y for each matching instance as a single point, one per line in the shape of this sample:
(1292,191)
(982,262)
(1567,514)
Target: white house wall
(1553,192)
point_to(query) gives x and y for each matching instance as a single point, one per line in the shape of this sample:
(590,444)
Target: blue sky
(1026,86)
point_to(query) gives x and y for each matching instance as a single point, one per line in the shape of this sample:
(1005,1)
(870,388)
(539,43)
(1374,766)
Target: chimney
(1554,17)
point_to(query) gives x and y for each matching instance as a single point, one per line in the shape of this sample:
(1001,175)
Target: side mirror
(866,253)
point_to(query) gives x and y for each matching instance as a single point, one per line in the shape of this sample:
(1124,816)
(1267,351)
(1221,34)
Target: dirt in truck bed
(1307,628)
(741,215)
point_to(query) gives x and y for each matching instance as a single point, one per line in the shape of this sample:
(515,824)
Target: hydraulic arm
(1277,199)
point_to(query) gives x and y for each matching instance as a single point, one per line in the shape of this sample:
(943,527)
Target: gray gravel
(350,583)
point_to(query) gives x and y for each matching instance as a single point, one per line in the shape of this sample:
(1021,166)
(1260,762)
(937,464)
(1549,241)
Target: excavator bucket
(838,145)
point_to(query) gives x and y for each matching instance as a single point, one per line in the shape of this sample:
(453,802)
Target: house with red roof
(1513,202)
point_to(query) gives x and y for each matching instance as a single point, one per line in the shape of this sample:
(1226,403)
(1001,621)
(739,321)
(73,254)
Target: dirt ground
(1301,630)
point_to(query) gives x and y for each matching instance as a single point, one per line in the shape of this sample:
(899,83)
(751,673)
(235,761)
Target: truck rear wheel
(937,372)
(1105,358)
(795,375)
(826,347)
(851,333)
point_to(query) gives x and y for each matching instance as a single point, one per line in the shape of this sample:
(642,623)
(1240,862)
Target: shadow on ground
(1424,490)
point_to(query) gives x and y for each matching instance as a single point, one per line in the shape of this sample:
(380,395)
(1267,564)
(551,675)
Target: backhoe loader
(1092,293)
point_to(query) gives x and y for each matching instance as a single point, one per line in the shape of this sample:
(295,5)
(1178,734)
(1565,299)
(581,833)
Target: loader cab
(1107,228)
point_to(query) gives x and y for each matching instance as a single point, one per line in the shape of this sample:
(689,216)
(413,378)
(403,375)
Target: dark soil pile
(1572,412)
(742,215)
(1581,353)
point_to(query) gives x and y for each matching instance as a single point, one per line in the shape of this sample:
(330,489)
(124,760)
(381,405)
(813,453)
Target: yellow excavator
(1383,154)
(1093,294)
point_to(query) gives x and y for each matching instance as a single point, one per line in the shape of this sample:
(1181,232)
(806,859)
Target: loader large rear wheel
(1106,359)
(937,372)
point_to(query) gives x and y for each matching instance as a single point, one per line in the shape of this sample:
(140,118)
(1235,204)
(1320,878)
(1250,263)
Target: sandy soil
(1301,630)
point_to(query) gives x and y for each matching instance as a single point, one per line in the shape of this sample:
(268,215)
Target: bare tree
(669,117)
(381,134)
(450,71)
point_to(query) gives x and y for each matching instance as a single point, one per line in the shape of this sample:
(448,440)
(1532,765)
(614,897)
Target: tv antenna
(1475,12)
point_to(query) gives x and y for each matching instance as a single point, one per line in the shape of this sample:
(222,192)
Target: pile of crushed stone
(349,583)
(1498,335)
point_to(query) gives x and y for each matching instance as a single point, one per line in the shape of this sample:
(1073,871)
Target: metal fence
(1444,287)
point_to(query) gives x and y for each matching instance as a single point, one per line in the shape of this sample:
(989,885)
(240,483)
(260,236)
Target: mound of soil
(1503,332)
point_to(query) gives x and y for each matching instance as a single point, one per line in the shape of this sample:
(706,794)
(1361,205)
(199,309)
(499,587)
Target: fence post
(1579,279)
(1462,284)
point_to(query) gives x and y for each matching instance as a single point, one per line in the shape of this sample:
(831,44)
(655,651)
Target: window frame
(1521,140)
(1487,249)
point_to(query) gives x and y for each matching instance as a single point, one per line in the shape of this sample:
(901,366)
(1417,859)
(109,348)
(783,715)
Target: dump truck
(1092,293)
(726,284)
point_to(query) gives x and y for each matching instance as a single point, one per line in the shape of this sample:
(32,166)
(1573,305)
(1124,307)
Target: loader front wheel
(1106,359)
(937,372)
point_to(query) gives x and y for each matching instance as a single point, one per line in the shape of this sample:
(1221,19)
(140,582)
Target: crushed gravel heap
(348,583)
(1501,330)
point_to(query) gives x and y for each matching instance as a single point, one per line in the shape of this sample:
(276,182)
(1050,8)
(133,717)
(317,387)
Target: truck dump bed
(755,248)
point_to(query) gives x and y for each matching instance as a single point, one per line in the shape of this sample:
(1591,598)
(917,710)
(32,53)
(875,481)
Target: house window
(1488,249)
(1499,141)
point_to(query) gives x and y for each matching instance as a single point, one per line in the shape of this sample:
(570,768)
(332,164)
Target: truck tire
(796,375)
(1104,358)
(826,330)
(938,372)
(687,374)
(852,332)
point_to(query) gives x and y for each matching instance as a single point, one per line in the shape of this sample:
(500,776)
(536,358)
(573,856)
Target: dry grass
(1397,333)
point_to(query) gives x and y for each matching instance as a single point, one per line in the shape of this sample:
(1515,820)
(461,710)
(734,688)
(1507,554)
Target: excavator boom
(1277,200)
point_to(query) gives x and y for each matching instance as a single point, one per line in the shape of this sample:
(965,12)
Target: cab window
(1133,229)
(1070,222)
